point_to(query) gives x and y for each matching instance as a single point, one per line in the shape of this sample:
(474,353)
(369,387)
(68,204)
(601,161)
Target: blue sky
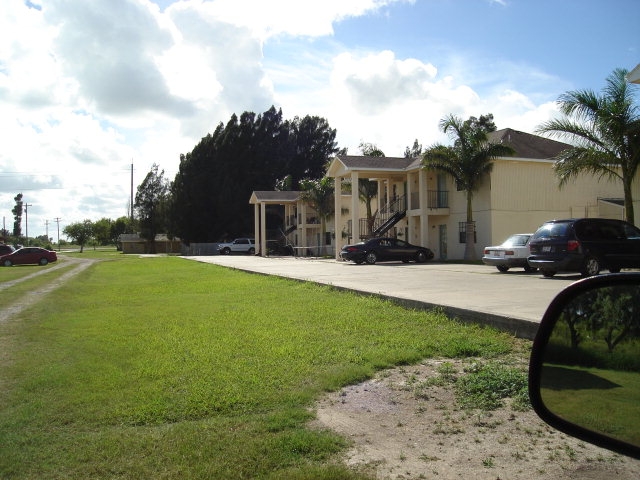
(88,88)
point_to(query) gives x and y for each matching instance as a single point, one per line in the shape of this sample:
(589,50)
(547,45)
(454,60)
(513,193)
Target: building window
(462,232)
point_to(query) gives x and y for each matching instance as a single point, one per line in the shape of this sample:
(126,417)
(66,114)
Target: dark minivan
(585,245)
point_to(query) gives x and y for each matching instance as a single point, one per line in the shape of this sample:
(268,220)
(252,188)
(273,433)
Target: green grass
(485,386)
(167,368)
(17,272)
(603,400)
(24,286)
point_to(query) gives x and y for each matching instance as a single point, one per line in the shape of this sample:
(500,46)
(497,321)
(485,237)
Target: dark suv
(585,245)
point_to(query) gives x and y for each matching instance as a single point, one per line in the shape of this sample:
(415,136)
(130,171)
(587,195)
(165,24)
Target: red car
(28,255)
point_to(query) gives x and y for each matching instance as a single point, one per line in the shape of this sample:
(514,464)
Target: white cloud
(290,17)
(88,88)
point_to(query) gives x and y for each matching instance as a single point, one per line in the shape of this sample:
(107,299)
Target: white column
(380,198)
(256,227)
(337,215)
(302,216)
(263,232)
(424,216)
(355,208)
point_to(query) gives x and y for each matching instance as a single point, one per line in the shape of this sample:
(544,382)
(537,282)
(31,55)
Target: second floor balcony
(435,199)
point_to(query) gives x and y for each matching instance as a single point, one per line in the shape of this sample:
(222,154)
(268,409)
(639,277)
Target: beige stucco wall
(524,194)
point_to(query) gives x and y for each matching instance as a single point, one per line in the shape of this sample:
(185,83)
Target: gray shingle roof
(527,145)
(276,196)
(375,163)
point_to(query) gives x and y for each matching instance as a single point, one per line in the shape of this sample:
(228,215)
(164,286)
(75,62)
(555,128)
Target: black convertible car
(385,249)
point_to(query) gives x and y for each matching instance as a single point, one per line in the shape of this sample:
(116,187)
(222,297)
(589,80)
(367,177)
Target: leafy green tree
(370,149)
(102,231)
(119,226)
(80,232)
(616,314)
(367,189)
(415,151)
(319,195)
(313,143)
(468,161)
(210,193)
(604,130)
(17,216)
(152,205)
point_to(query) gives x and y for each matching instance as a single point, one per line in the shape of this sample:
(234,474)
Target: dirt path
(403,429)
(25,301)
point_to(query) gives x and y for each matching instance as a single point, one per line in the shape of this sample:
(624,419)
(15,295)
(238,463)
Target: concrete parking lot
(514,301)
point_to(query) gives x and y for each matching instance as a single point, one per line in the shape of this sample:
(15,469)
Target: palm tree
(319,195)
(367,191)
(605,133)
(467,161)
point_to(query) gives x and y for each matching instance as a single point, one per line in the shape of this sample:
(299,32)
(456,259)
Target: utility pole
(46,229)
(57,220)
(26,221)
(131,219)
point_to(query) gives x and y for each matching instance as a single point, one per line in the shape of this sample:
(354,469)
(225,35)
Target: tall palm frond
(605,133)
(319,194)
(468,160)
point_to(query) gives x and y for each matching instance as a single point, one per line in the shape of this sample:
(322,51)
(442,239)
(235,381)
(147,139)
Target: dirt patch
(403,429)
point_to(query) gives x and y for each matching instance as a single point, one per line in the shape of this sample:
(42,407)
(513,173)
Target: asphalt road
(514,301)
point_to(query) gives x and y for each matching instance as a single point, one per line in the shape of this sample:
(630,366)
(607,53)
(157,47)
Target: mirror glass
(591,370)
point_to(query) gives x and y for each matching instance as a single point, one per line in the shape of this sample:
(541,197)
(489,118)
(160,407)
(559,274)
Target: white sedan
(512,253)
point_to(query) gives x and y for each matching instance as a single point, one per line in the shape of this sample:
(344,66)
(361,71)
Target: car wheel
(226,251)
(7,263)
(591,267)
(252,251)
(548,273)
(502,268)
(43,261)
(422,256)
(371,258)
(529,268)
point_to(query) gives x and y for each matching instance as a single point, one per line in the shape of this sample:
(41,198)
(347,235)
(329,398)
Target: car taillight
(486,252)
(573,245)
(352,249)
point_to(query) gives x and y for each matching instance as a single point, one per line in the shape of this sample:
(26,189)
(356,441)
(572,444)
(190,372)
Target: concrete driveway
(514,301)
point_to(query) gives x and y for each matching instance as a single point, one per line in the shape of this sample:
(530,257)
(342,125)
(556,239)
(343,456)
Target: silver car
(512,253)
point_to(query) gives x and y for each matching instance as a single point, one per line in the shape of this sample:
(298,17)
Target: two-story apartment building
(425,207)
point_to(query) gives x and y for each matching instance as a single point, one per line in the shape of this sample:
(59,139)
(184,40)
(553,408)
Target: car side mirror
(584,371)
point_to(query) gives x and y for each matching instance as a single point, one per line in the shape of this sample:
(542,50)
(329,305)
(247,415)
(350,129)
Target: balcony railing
(437,199)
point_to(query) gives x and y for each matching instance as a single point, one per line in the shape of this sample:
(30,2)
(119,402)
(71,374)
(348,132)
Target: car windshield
(516,241)
(550,230)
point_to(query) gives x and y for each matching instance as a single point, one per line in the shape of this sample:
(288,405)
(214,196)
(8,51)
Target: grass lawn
(165,368)
(602,400)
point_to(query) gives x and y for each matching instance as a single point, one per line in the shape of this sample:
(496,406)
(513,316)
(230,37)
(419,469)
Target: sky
(93,93)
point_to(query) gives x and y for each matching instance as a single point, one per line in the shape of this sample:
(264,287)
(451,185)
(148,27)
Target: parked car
(239,245)
(28,255)
(385,249)
(512,253)
(578,383)
(4,249)
(584,245)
